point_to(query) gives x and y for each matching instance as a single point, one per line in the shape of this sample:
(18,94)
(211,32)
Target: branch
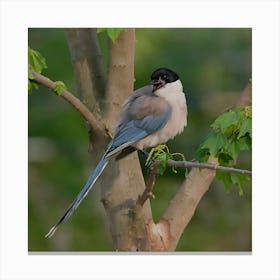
(148,192)
(88,65)
(74,101)
(185,164)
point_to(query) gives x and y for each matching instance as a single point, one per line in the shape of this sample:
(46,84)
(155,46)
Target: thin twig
(74,101)
(185,164)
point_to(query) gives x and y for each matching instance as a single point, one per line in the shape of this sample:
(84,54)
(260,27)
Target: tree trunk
(121,182)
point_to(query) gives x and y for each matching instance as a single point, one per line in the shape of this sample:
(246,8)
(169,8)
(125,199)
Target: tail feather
(82,194)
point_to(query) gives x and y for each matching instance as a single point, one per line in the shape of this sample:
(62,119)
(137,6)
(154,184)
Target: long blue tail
(82,194)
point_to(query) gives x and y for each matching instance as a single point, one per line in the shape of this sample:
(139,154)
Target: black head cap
(164,74)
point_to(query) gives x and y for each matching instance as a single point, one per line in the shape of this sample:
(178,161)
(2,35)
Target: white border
(17,16)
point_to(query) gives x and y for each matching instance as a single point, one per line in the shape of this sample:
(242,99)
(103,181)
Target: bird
(150,116)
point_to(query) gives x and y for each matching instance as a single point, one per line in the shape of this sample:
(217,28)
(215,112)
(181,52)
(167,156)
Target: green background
(214,66)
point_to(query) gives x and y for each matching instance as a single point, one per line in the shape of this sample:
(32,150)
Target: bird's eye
(164,77)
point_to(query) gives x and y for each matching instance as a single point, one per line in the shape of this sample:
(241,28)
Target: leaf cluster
(36,63)
(231,133)
(60,87)
(160,155)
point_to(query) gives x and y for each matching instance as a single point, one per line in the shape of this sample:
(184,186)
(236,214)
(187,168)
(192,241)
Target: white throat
(170,89)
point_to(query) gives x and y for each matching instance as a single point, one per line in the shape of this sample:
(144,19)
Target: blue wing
(138,129)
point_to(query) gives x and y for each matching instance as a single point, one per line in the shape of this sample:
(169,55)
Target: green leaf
(225,177)
(163,164)
(239,180)
(161,153)
(246,127)
(226,120)
(230,179)
(214,142)
(202,154)
(156,152)
(60,87)
(31,85)
(113,33)
(233,149)
(36,62)
(236,180)
(245,143)
(30,75)
(224,158)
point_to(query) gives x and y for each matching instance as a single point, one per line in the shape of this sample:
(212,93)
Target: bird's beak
(157,84)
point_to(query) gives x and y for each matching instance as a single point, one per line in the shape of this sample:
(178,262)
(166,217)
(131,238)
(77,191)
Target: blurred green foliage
(214,66)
